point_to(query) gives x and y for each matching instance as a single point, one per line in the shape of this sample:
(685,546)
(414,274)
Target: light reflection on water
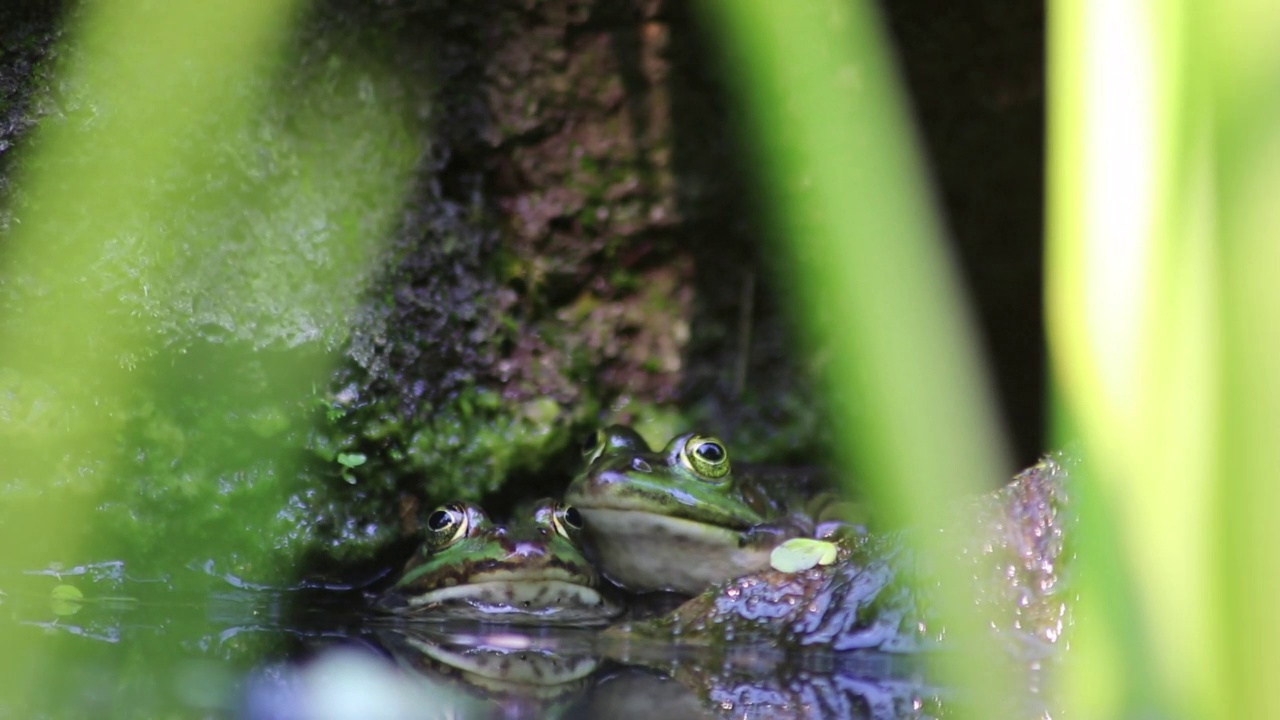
(447,670)
(190,644)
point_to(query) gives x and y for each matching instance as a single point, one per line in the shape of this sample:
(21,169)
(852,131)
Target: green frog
(529,572)
(677,519)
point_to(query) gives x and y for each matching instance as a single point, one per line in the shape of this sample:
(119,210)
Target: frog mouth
(637,517)
(637,524)
(497,596)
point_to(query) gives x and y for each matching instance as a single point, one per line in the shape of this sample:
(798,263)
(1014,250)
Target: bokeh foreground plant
(1162,305)
(173,181)
(1163,311)
(861,242)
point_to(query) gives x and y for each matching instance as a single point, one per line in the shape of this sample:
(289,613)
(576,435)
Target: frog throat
(548,595)
(684,556)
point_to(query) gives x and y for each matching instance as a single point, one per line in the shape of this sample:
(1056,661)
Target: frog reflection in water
(678,519)
(530,572)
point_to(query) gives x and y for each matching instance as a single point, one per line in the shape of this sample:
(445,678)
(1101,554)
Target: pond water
(118,640)
(197,644)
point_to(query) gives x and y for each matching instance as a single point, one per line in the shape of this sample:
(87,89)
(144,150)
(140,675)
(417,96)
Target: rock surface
(578,244)
(563,257)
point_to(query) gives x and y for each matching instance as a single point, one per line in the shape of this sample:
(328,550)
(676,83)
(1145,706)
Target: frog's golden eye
(706,456)
(447,525)
(567,521)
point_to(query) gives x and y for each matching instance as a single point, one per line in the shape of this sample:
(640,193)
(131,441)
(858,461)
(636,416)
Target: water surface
(195,643)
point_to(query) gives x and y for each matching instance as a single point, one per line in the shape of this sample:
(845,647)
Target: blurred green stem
(1241,49)
(858,235)
(1163,312)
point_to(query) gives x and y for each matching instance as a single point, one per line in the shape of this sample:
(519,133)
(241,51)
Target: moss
(465,448)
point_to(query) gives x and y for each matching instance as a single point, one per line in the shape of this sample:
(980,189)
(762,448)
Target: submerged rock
(857,602)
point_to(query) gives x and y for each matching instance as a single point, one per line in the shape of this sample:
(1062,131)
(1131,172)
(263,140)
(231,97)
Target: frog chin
(644,552)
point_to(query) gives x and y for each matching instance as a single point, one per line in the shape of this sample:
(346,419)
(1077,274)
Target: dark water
(196,644)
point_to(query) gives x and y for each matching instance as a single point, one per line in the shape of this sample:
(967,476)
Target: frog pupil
(711,452)
(439,520)
(572,517)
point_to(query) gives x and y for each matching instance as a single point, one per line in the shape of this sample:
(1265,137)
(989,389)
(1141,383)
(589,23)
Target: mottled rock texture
(578,245)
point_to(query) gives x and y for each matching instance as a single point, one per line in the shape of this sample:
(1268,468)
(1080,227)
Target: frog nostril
(640,466)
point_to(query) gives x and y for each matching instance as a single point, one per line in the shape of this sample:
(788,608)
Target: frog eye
(613,440)
(593,446)
(706,456)
(572,517)
(447,525)
(567,521)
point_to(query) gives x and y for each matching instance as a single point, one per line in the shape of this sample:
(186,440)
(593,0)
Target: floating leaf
(801,554)
(66,599)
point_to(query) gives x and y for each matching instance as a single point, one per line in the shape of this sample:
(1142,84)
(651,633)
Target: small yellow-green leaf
(66,599)
(67,592)
(801,554)
(351,459)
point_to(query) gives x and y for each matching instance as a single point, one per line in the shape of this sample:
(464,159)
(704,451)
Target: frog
(678,519)
(529,571)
